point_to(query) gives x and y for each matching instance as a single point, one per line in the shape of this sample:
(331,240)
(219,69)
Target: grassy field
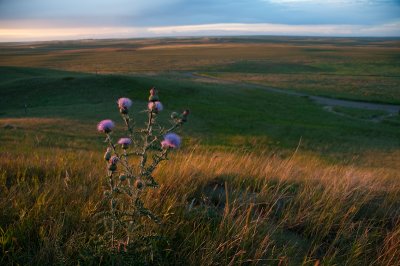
(360,113)
(362,69)
(262,178)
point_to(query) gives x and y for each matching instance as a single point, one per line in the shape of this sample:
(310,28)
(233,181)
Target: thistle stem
(124,163)
(146,141)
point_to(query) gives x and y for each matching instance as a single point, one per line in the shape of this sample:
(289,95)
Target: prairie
(359,68)
(262,178)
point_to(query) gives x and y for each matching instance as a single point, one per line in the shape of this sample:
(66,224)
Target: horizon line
(17,35)
(200,37)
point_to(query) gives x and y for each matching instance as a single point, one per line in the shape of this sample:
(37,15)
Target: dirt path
(324,101)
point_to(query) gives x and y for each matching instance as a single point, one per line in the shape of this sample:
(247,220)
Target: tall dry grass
(215,207)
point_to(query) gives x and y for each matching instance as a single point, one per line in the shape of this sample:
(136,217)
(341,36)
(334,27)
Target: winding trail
(327,102)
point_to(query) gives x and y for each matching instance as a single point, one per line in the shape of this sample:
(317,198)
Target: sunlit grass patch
(234,207)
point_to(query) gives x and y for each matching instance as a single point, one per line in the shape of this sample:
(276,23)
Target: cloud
(392,29)
(149,17)
(45,34)
(220,29)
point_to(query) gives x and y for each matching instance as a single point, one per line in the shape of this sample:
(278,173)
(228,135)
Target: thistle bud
(174,115)
(184,115)
(112,167)
(122,177)
(153,95)
(107,154)
(113,160)
(112,163)
(139,184)
(153,98)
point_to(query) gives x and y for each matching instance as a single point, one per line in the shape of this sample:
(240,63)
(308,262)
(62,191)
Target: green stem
(146,141)
(124,163)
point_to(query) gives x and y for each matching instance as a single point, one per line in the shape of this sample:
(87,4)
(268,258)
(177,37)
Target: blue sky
(59,19)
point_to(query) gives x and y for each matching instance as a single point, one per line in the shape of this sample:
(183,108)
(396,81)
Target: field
(361,69)
(263,177)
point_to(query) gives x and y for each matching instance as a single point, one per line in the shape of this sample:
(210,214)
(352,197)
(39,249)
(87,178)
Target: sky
(36,20)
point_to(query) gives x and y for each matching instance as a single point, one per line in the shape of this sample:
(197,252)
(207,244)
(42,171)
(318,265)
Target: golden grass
(34,122)
(154,56)
(362,72)
(216,208)
(42,126)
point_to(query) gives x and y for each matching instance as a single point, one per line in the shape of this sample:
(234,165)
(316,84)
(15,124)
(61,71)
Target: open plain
(291,155)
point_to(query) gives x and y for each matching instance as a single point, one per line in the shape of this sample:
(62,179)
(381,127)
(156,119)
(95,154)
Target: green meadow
(263,177)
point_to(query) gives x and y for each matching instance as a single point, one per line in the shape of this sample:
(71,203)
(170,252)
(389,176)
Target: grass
(262,178)
(395,120)
(235,208)
(360,88)
(220,117)
(362,68)
(360,113)
(268,67)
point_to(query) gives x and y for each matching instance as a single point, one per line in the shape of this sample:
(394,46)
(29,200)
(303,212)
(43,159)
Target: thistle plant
(130,164)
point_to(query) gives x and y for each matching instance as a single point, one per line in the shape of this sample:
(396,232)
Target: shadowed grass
(220,118)
(361,114)
(361,68)
(361,88)
(295,211)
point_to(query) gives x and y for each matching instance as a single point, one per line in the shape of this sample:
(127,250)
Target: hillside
(262,177)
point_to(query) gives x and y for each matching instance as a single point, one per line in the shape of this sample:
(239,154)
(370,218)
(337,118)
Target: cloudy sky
(26,20)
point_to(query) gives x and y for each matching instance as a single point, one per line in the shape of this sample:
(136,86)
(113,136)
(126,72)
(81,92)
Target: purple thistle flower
(155,106)
(105,126)
(171,140)
(124,104)
(125,142)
